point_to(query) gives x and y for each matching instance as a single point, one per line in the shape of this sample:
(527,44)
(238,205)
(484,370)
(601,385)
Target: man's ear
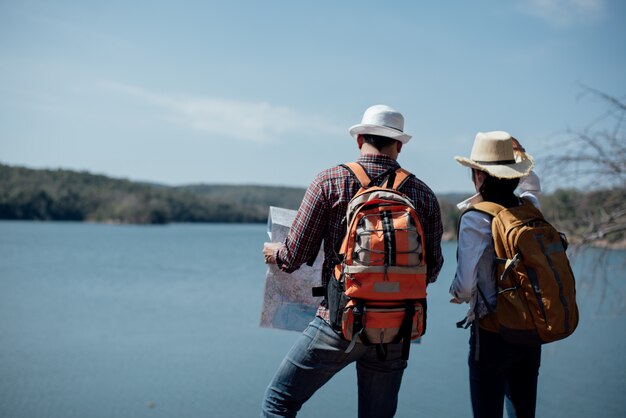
(478,176)
(359,141)
(399,146)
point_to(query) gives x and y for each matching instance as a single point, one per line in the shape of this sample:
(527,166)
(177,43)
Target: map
(287,300)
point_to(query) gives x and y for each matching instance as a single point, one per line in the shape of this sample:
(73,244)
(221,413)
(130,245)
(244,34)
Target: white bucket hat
(493,152)
(381,120)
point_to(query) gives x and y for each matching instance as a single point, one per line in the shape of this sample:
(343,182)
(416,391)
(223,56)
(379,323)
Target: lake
(162,321)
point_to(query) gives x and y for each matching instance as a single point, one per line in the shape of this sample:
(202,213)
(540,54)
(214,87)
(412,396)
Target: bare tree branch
(595,157)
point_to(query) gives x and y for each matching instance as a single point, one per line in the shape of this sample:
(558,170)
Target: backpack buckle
(510,265)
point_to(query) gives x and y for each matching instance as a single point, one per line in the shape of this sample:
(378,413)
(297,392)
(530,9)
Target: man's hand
(269,251)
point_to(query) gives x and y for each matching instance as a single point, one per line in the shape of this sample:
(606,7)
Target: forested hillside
(79,196)
(63,195)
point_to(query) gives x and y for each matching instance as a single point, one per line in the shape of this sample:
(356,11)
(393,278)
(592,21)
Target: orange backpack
(536,302)
(378,293)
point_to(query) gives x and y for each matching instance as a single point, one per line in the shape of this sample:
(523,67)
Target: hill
(64,195)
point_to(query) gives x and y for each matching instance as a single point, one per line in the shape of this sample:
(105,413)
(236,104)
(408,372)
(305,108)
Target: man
(320,352)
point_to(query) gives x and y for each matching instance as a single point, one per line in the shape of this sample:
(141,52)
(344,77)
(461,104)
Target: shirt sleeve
(473,240)
(530,188)
(433,231)
(307,230)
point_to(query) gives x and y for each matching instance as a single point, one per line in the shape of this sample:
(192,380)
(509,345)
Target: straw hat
(381,120)
(493,152)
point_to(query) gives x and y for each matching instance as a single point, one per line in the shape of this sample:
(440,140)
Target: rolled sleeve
(307,231)
(530,188)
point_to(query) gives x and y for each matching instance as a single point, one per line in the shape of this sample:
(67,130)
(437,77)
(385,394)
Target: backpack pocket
(382,323)
(387,237)
(337,301)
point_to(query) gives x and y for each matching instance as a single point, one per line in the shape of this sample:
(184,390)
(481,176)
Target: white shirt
(476,254)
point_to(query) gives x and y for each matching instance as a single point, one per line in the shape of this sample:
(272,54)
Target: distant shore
(65,195)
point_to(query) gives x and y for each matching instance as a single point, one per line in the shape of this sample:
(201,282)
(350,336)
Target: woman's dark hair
(499,191)
(377,141)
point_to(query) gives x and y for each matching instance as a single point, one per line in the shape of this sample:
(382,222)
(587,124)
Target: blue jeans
(502,369)
(317,356)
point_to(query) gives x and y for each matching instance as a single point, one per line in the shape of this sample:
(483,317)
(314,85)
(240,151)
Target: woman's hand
(519,151)
(517,146)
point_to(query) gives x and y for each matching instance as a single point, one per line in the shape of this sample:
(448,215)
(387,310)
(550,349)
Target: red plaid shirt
(321,218)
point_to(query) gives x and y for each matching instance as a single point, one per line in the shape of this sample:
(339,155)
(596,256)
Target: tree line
(64,195)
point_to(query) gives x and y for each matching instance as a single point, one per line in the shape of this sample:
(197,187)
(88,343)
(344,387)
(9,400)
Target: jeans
(502,369)
(317,356)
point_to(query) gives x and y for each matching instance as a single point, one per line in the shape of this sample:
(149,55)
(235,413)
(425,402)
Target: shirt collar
(381,159)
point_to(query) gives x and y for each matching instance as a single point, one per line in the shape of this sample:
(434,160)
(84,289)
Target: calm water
(162,321)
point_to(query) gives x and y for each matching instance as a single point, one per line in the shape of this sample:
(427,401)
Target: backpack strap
(406,329)
(358,171)
(358,325)
(401,177)
(490,208)
(395,179)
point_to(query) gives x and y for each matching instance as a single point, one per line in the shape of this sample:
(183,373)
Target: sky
(263,92)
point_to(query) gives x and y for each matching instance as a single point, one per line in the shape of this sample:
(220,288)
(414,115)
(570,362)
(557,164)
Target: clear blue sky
(263,92)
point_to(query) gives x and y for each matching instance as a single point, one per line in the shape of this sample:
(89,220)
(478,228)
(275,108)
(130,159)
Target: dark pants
(500,369)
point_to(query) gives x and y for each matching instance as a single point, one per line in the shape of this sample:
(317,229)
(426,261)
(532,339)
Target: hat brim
(501,171)
(362,129)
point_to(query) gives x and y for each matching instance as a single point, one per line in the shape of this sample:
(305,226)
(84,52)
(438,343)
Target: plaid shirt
(321,218)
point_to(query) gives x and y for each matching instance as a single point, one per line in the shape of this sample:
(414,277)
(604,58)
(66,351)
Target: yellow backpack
(536,302)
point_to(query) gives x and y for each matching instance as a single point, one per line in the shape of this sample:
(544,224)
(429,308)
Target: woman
(499,167)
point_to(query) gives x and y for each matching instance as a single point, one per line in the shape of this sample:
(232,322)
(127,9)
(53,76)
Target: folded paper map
(287,300)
